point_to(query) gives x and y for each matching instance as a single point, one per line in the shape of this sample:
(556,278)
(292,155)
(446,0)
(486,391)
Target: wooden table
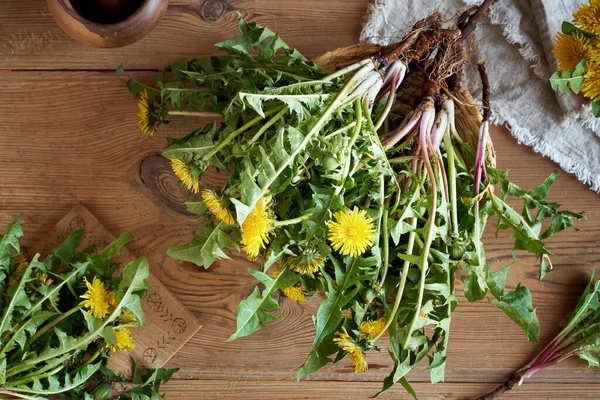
(68,134)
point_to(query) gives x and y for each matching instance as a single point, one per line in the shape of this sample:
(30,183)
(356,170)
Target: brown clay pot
(107,23)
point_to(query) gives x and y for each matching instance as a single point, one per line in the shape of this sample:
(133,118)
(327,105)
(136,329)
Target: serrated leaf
(114,248)
(196,207)
(571,80)
(210,243)
(9,243)
(66,250)
(517,305)
(330,314)
(254,312)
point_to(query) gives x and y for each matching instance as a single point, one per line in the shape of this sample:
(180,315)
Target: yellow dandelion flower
(146,121)
(355,354)
(569,50)
(307,263)
(184,173)
(371,328)
(294,293)
(124,340)
(256,228)
(96,298)
(43,278)
(591,82)
(127,317)
(352,232)
(216,207)
(588,17)
(19,264)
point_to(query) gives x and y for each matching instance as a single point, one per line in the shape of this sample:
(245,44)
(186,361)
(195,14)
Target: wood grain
(71,136)
(189,28)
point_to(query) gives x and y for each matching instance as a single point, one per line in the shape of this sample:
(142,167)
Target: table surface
(68,134)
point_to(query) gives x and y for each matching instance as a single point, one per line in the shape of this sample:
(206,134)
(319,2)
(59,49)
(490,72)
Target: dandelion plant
(342,196)
(62,317)
(579,338)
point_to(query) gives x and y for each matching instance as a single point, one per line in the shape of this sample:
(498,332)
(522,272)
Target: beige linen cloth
(516,44)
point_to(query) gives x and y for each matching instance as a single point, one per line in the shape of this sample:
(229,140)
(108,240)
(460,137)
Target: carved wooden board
(169,325)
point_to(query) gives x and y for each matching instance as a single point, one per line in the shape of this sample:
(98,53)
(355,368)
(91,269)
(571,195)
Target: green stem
(403,278)
(344,71)
(388,105)
(340,131)
(19,368)
(402,160)
(52,324)
(348,149)
(35,377)
(266,126)
(428,239)
(382,227)
(93,357)
(452,182)
(241,130)
(292,221)
(384,158)
(194,114)
(386,247)
(19,395)
(422,247)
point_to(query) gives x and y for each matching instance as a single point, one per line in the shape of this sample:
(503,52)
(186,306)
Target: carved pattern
(154,301)
(150,355)
(179,325)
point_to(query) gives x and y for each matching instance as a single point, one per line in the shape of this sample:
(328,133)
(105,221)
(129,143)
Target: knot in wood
(156,174)
(213,10)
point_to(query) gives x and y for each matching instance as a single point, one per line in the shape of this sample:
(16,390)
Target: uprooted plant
(338,189)
(579,338)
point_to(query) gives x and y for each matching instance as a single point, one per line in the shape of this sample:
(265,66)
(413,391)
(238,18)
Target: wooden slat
(32,40)
(318,390)
(69,137)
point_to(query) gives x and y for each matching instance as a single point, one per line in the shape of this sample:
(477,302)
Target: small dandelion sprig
(217,207)
(185,174)
(256,229)
(292,292)
(152,113)
(96,298)
(124,341)
(352,350)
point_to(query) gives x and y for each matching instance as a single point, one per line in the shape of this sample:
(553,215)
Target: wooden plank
(68,137)
(317,390)
(168,325)
(32,40)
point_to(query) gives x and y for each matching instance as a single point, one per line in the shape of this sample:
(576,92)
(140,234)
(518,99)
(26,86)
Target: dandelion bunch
(348,199)
(78,338)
